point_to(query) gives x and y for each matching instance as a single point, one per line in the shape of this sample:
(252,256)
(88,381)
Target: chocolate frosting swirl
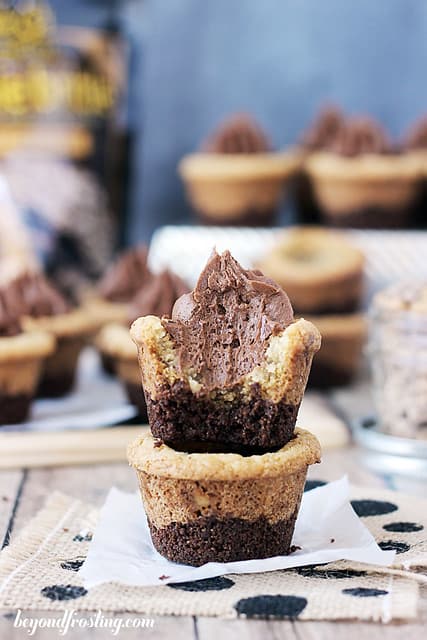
(221,329)
(238,134)
(416,137)
(360,135)
(158,296)
(9,321)
(324,129)
(31,294)
(125,276)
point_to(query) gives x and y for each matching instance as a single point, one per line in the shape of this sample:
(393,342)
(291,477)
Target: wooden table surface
(23,492)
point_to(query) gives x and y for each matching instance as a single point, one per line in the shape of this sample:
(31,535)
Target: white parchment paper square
(327,529)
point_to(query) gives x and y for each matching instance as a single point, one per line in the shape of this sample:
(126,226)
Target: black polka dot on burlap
(393,545)
(271,606)
(311,571)
(83,537)
(313,484)
(63,592)
(364,592)
(403,527)
(365,508)
(72,565)
(10,616)
(208,584)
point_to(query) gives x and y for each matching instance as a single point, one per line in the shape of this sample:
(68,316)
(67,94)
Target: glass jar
(398,356)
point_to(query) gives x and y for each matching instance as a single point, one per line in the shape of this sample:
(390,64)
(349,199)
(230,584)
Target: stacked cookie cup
(223,470)
(324,277)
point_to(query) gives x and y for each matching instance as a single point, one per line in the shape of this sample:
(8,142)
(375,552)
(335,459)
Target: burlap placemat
(39,571)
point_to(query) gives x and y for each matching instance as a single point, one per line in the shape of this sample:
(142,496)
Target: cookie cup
(237,188)
(21,362)
(370,191)
(72,332)
(115,345)
(222,507)
(319,270)
(339,358)
(105,312)
(257,413)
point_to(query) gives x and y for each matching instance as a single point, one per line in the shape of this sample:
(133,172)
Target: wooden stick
(49,449)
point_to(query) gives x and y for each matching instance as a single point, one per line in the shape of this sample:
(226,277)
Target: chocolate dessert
(230,367)
(236,178)
(324,129)
(21,357)
(31,294)
(239,134)
(321,270)
(359,135)
(339,358)
(415,145)
(319,136)
(157,297)
(360,180)
(416,138)
(42,307)
(323,273)
(222,507)
(125,277)
(120,283)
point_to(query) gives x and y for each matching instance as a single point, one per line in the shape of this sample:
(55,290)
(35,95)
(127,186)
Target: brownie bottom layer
(209,539)
(136,397)
(178,416)
(55,387)
(371,218)
(14,409)
(324,375)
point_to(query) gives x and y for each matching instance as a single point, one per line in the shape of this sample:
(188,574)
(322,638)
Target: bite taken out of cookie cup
(222,507)
(256,414)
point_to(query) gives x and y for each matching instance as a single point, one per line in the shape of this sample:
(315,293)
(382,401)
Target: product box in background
(63,141)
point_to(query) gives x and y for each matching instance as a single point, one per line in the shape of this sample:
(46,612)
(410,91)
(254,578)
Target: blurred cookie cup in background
(339,358)
(114,343)
(415,146)
(109,301)
(323,274)
(362,181)
(317,137)
(22,354)
(44,308)
(236,178)
(319,269)
(121,281)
